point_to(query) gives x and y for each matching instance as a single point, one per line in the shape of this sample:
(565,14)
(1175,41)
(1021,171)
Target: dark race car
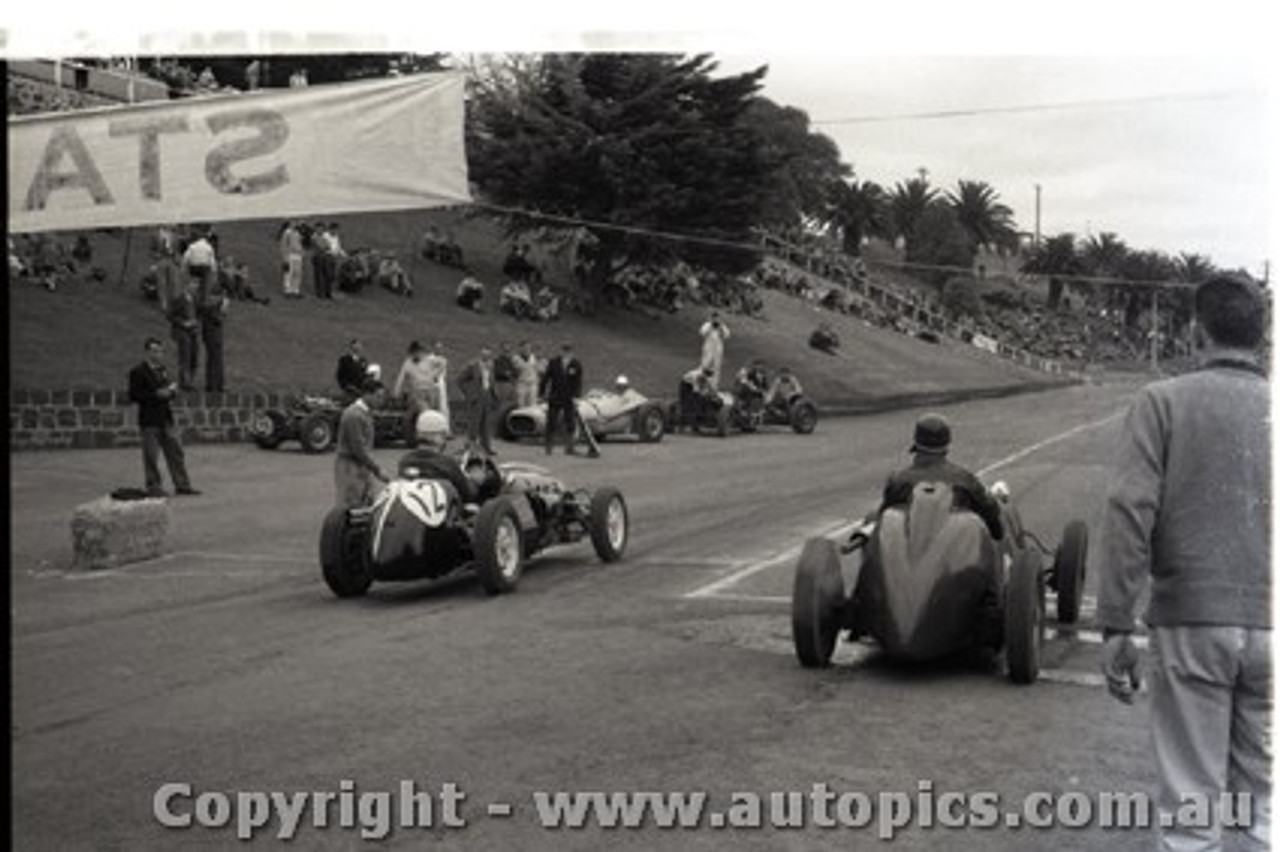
(313,421)
(419,528)
(920,582)
(722,411)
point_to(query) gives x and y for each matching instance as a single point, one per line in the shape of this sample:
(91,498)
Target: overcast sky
(1157,125)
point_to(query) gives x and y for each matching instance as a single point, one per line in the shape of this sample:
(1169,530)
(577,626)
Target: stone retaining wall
(85,419)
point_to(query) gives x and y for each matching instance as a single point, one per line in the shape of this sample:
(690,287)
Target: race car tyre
(1069,570)
(343,559)
(674,422)
(610,524)
(1024,618)
(499,551)
(650,425)
(722,421)
(269,429)
(316,433)
(409,430)
(503,430)
(817,598)
(804,417)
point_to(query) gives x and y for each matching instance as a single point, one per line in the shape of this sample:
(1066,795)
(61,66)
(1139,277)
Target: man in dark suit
(561,385)
(353,371)
(151,389)
(479,389)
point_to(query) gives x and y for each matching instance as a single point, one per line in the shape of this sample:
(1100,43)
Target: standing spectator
(480,392)
(505,372)
(333,257)
(714,334)
(185,328)
(354,469)
(438,375)
(527,371)
(1190,507)
(298,79)
(320,269)
(353,370)
(561,384)
(201,264)
(167,278)
(416,383)
(150,388)
(291,260)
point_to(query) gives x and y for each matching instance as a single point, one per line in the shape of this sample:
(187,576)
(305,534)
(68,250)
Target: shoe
(594,454)
(189,492)
(157,492)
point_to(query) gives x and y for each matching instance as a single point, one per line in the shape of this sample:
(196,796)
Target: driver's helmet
(374,373)
(432,429)
(621,384)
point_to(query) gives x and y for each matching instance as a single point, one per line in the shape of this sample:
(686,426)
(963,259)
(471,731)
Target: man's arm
(1133,503)
(361,441)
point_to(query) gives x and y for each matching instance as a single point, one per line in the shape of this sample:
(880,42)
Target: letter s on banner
(389,144)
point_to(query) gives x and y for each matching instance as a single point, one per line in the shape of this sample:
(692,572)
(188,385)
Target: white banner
(388,144)
(990,344)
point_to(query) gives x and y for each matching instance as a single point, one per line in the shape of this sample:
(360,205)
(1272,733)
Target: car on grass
(419,528)
(312,420)
(918,581)
(606,413)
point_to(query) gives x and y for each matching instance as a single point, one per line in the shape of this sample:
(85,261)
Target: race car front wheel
(817,603)
(269,429)
(610,524)
(317,433)
(1024,618)
(499,553)
(343,558)
(651,424)
(804,417)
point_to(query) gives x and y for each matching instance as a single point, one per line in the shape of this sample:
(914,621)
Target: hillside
(87,335)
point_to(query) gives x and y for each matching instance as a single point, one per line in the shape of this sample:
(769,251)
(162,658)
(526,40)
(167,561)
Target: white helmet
(431,426)
(621,382)
(374,372)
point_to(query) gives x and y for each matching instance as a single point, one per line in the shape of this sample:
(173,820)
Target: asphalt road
(228,666)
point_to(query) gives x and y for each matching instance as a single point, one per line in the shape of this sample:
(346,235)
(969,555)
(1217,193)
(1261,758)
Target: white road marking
(843,528)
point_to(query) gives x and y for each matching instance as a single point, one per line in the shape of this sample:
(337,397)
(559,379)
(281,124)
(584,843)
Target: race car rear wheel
(722,421)
(499,551)
(650,425)
(804,417)
(1069,570)
(269,429)
(1024,618)
(610,524)
(317,433)
(344,561)
(817,600)
(503,428)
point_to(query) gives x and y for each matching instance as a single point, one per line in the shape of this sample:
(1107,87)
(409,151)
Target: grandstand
(46,85)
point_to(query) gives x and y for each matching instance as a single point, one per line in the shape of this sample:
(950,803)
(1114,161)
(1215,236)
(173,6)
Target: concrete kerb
(898,402)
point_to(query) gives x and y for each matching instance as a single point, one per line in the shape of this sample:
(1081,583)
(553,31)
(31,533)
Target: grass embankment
(87,335)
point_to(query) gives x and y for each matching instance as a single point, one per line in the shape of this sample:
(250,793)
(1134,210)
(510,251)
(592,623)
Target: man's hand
(1121,666)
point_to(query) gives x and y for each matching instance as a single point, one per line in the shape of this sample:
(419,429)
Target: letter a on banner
(391,144)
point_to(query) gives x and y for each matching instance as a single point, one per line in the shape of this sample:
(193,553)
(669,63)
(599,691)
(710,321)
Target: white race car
(605,412)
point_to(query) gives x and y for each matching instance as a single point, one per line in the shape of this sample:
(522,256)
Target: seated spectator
(517,267)
(470,293)
(546,305)
(356,270)
(825,339)
(432,243)
(516,300)
(82,252)
(451,252)
(233,276)
(17,267)
(392,276)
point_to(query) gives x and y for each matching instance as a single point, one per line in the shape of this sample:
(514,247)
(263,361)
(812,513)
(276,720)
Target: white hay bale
(107,533)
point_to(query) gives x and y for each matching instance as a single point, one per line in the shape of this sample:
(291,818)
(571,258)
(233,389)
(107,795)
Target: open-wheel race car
(313,422)
(605,412)
(927,580)
(721,411)
(419,528)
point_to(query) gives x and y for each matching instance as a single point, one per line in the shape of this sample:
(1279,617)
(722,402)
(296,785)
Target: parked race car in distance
(313,422)
(419,528)
(918,582)
(606,413)
(725,411)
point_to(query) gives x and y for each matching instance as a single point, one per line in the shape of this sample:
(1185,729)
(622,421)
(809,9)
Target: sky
(1158,127)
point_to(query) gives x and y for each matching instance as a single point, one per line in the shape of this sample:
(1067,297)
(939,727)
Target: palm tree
(1103,256)
(907,204)
(1193,268)
(859,209)
(1056,256)
(987,221)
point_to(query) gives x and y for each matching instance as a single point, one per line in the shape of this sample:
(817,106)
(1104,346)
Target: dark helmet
(933,435)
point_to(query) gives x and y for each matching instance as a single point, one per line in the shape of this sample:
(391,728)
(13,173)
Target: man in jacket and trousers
(150,388)
(561,385)
(478,385)
(1189,511)
(354,468)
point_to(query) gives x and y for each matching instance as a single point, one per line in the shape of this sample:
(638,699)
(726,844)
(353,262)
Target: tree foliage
(808,164)
(644,142)
(860,209)
(907,205)
(1058,258)
(940,240)
(987,221)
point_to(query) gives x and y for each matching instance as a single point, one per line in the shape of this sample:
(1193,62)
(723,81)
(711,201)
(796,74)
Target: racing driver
(430,460)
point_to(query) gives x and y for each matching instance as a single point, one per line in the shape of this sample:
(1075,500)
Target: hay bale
(107,533)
